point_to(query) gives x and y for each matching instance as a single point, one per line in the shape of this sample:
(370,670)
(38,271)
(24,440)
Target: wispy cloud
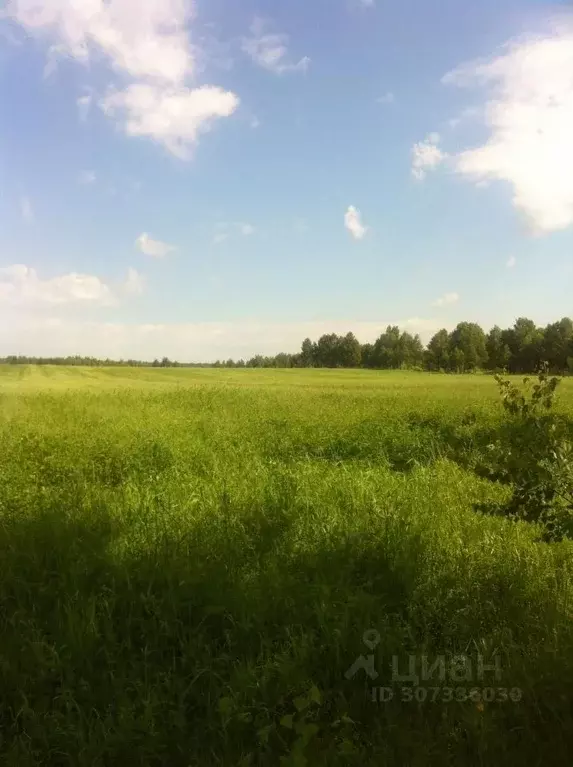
(26,210)
(270,51)
(84,104)
(448,299)
(224,230)
(87,177)
(353,223)
(387,98)
(511,262)
(135,283)
(153,248)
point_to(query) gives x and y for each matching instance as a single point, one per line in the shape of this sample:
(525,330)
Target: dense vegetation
(192,561)
(520,349)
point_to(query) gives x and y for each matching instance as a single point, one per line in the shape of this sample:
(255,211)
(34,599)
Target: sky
(204,180)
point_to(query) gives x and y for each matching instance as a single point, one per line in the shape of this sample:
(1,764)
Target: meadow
(192,560)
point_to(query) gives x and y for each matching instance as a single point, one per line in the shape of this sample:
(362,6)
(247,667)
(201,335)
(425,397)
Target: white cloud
(174,117)
(135,283)
(141,38)
(529,116)
(20,284)
(387,98)
(247,229)
(186,341)
(147,42)
(353,222)
(87,177)
(26,210)
(426,155)
(448,299)
(511,262)
(154,248)
(270,51)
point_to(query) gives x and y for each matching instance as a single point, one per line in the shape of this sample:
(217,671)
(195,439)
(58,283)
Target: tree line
(522,348)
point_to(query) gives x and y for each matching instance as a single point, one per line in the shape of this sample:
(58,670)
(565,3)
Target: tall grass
(189,561)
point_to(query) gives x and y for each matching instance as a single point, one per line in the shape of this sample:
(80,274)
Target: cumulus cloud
(448,299)
(146,41)
(154,248)
(529,117)
(173,117)
(143,38)
(20,284)
(426,155)
(353,223)
(270,51)
(186,341)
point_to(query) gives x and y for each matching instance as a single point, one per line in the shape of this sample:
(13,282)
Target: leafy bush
(535,456)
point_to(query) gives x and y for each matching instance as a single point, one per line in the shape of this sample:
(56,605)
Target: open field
(190,556)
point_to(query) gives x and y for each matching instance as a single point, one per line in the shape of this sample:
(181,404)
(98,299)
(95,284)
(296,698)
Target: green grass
(186,555)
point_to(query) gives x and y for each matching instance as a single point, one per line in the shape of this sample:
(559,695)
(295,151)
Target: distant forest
(522,348)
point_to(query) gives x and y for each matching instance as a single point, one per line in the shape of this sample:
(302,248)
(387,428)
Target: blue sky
(218,179)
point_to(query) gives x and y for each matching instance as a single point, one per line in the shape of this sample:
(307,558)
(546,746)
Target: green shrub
(535,456)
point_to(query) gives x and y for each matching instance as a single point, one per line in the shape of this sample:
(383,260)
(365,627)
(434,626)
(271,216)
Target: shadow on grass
(401,445)
(189,650)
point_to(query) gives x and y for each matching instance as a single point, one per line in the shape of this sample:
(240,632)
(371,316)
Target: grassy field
(190,561)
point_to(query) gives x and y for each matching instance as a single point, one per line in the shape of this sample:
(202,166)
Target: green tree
(350,352)
(457,360)
(308,353)
(283,360)
(468,347)
(366,355)
(410,351)
(438,351)
(558,344)
(386,352)
(498,352)
(525,341)
(327,351)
